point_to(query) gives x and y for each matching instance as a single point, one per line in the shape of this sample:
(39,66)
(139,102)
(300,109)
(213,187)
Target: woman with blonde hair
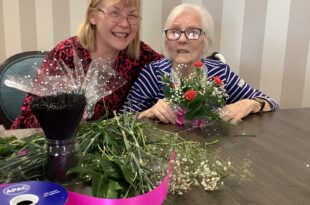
(110,31)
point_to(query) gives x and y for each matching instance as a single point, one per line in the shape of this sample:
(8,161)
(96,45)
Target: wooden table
(278,144)
(19,133)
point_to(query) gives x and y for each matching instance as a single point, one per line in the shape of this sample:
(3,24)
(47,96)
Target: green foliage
(21,159)
(120,157)
(116,157)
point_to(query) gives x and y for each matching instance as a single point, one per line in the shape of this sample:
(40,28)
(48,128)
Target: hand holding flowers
(161,111)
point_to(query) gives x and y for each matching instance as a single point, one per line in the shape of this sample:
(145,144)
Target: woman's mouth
(120,34)
(181,51)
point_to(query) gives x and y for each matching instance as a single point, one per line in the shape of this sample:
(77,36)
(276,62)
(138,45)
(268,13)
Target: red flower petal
(190,95)
(198,64)
(218,80)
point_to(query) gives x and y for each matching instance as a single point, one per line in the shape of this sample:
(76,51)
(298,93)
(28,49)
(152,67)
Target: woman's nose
(182,38)
(124,21)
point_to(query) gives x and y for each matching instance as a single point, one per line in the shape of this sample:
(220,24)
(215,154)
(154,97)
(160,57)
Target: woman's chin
(182,61)
(120,46)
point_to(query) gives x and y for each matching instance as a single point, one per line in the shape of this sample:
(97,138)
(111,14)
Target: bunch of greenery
(118,158)
(121,157)
(21,159)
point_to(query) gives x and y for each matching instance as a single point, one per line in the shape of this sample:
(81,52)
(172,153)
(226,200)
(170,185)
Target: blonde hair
(87,32)
(207,24)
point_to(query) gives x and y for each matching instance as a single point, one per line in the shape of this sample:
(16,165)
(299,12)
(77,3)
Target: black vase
(59,116)
(61,156)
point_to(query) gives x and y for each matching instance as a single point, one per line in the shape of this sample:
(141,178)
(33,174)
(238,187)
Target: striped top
(148,88)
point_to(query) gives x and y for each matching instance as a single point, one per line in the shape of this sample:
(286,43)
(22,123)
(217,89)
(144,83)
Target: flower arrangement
(196,98)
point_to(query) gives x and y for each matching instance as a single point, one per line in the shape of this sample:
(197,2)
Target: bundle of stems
(118,158)
(22,159)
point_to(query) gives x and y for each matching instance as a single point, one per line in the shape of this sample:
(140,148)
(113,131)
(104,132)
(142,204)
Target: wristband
(261,102)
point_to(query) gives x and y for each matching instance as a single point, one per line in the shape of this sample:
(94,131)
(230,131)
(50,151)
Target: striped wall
(265,41)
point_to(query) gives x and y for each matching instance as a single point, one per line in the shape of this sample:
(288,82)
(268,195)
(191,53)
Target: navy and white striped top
(148,88)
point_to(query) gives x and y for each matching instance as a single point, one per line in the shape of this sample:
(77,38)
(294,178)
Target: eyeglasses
(191,33)
(116,17)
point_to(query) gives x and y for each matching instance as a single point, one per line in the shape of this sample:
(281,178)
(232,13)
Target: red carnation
(190,95)
(218,80)
(198,64)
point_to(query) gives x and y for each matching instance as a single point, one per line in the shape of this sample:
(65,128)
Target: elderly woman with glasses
(110,31)
(187,37)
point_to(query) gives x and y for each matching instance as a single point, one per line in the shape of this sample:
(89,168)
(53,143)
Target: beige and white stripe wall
(265,41)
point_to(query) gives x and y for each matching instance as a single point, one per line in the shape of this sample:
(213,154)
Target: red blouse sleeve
(26,119)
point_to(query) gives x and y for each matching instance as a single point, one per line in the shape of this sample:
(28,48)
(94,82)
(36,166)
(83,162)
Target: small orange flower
(174,85)
(198,64)
(218,80)
(190,95)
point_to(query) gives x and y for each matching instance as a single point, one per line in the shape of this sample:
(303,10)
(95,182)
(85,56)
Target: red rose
(198,64)
(190,95)
(218,80)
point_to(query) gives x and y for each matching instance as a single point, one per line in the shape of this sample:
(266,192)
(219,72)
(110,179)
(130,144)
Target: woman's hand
(236,111)
(161,110)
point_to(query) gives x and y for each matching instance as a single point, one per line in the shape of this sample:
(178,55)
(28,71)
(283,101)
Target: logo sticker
(16,189)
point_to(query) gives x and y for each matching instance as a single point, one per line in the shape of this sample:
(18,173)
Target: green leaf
(196,103)
(99,186)
(90,170)
(6,150)
(113,189)
(195,113)
(166,91)
(127,173)
(109,168)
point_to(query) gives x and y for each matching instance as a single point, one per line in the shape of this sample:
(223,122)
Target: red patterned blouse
(126,66)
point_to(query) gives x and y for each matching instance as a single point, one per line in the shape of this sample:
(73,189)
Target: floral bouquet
(197,98)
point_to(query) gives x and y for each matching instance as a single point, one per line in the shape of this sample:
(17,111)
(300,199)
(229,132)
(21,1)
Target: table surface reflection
(278,145)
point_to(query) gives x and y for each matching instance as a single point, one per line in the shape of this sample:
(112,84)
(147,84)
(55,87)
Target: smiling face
(114,36)
(183,50)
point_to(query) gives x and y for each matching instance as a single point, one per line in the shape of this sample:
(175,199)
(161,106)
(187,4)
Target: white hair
(207,24)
